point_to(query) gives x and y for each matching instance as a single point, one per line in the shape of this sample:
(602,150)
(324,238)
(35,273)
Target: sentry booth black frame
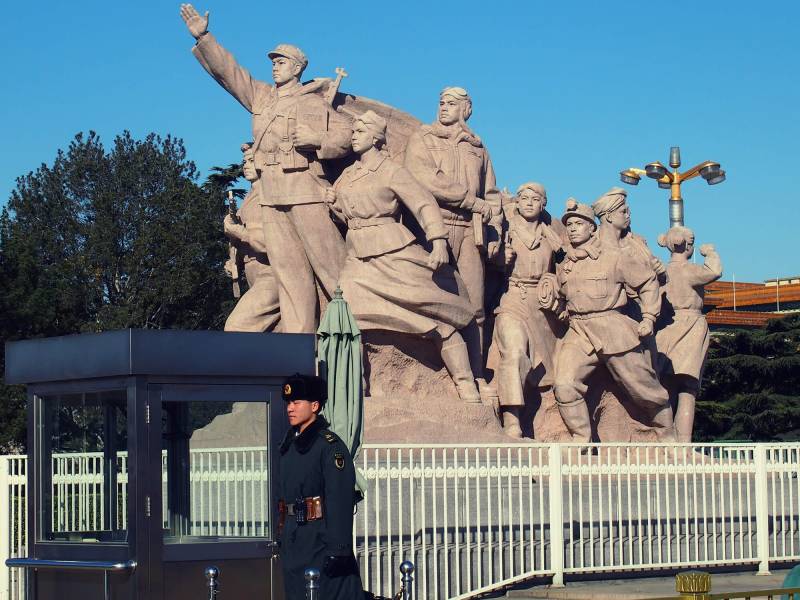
(155,368)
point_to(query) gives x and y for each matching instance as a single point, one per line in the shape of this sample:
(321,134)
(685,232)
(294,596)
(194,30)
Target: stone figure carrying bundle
(683,343)
(388,279)
(593,279)
(525,333)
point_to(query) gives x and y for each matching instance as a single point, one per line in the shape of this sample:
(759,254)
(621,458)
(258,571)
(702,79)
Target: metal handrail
(83,565)
(106,566)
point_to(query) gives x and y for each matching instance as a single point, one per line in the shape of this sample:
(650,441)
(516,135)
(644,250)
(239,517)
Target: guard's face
(530,204)
(620,218)
(362,139)
(301,412)
(451,110)
(284,70)
(579,230)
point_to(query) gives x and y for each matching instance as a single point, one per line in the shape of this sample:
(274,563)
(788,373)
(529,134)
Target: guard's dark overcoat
(317,463)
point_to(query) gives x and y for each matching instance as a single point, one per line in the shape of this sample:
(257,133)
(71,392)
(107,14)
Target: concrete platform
(644,588)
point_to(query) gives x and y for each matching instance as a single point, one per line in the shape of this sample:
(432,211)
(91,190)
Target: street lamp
(672,180)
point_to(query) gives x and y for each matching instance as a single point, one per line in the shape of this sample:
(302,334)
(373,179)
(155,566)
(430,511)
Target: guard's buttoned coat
(317,463)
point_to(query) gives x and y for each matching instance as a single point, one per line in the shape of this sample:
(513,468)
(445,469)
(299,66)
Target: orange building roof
(748,295)
(743,318)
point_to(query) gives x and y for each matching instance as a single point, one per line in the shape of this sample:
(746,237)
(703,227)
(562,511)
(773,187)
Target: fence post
(212,573)
(407,570)
(762,509)
(6,527)
(312,584)
(555,499)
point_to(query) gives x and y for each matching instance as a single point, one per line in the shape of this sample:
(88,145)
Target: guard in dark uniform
(317,497)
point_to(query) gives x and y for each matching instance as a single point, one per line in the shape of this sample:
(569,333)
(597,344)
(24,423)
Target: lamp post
(672,180)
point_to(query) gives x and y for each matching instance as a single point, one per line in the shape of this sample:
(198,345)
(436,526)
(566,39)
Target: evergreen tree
(751,386)
(109,239)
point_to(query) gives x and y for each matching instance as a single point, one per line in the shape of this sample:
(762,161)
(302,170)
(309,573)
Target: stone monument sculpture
(453,164)
(593,278)
(258,309)
(574,321)
(390,282)
(682,343)
(525,333)
(295,131)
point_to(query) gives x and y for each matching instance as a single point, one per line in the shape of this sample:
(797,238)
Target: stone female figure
(389,280)
(525,333)
(683,343)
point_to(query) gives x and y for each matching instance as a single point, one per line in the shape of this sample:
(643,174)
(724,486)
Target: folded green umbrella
(339,361)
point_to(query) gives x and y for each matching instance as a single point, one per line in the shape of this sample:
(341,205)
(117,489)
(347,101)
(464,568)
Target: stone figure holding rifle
(258,309)
(525,332)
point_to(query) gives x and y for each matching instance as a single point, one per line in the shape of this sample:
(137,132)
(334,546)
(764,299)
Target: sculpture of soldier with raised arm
(454,165)
(593,278)
(294,131)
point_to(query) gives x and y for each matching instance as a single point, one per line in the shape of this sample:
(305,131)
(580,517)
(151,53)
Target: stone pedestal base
(411,399)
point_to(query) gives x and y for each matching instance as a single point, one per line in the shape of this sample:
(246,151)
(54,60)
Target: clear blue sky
(564,93)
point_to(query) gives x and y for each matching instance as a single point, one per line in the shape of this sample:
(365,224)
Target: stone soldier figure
(294,130)
(316,488)
(592,280)
(452,162)
(614,214)
(525,333)
(258,309)
(683,343)
(390,282)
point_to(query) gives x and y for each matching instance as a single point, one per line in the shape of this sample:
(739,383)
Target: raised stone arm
(197,25)
(713,263)
(221,64)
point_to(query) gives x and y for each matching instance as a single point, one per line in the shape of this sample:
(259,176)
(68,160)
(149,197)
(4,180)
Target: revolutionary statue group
(407,219)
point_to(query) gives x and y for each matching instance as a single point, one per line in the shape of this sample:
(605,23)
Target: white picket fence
(477,518)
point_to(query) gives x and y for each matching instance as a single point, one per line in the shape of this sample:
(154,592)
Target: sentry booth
(151,458)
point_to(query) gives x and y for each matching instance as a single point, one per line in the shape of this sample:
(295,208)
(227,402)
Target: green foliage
(751,386)
(105,239)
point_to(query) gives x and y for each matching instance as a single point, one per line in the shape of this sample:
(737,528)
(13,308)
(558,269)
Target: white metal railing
(476,518)
(482,517)
(13,519)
